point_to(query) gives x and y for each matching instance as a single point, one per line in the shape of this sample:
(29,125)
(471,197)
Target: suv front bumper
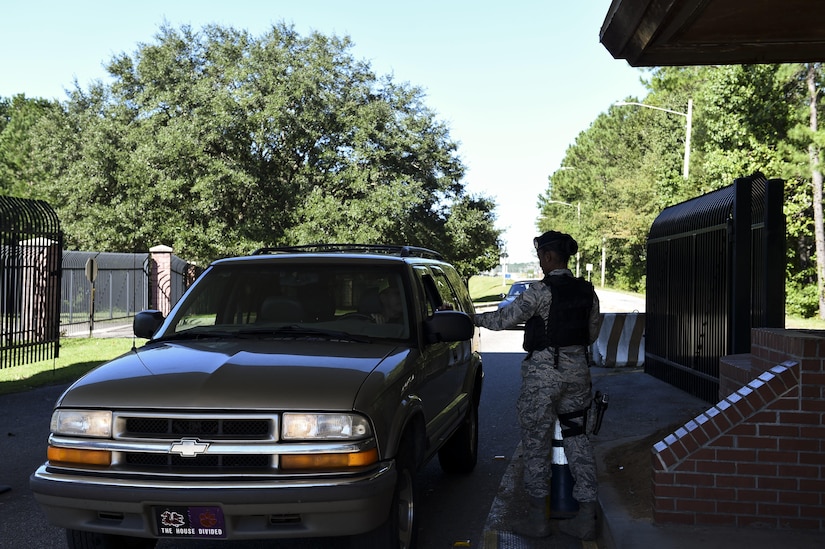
(263,509)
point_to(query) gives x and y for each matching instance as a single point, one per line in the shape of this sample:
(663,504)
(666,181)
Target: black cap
(560,243)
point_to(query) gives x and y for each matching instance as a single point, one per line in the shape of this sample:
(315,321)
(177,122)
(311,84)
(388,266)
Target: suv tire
(400,530)
(460,453)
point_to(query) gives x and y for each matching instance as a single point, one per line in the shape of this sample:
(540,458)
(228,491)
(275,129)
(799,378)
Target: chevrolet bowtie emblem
(188,447)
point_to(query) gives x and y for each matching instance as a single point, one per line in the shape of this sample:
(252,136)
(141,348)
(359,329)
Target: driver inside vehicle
(392,310)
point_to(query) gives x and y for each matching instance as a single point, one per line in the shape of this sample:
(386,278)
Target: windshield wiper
(198,334)
(303,331)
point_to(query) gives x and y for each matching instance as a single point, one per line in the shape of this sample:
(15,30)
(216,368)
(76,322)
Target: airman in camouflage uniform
(555,380)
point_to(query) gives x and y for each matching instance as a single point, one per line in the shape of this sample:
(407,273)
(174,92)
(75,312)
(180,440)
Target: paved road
(612,301)
(24,428)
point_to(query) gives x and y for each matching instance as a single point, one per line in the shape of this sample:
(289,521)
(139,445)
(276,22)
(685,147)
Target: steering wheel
(357,316)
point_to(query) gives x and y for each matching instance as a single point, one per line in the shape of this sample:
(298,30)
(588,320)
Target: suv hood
(234,375)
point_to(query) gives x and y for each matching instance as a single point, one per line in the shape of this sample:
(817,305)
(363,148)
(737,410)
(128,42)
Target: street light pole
(578,206)
(688,129)
(504,257)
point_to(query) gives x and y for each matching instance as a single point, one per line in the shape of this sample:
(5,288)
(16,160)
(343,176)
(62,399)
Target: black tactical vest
(570,311)
(568,322)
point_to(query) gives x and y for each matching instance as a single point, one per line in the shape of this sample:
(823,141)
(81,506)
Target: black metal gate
(31,245)
(715,269)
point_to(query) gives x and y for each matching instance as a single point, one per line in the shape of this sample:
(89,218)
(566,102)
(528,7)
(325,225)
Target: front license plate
(190,522)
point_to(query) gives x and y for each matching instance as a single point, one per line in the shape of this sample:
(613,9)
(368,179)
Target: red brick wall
(161,278)
(756,458)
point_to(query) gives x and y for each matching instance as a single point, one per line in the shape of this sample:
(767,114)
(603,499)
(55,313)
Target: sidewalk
(639,406)
(106,329)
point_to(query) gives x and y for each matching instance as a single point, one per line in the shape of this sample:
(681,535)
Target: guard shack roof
(650,33)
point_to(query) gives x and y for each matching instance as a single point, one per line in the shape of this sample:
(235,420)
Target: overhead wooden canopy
(650,33)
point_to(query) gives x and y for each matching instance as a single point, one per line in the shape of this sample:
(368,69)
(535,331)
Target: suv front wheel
(460,453)
(400,529)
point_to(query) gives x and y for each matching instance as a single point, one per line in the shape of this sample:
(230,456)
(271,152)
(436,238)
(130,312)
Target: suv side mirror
(146,323)
(448,326)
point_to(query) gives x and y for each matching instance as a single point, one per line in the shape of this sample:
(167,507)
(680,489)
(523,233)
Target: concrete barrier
(621,340)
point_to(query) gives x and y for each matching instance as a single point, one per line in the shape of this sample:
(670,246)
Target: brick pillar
(160,281)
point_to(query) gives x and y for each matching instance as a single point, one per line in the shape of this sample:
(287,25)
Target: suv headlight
(85,423)
(324,427)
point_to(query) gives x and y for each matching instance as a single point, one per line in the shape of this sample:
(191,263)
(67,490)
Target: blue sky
(516,82)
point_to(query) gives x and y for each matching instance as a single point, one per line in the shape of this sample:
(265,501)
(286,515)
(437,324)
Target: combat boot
(535,524)
(583,525)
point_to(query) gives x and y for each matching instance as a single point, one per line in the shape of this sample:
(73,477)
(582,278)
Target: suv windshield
(359,300)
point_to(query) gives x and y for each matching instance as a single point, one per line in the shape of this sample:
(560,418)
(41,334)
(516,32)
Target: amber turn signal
(71,456)
(329,461)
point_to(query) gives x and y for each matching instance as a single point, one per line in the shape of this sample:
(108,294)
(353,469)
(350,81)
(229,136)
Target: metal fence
(123,286)
(120,289)
(30,246)
(45,292)
(715,269)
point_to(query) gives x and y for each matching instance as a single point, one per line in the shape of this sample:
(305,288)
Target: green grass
(77,356)
(804,323)
(487,288)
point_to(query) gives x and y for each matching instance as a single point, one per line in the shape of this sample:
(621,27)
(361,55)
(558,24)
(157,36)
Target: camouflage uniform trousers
(545,392)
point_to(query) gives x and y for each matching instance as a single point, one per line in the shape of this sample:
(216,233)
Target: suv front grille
(199,462)
(238,430)
(248,429)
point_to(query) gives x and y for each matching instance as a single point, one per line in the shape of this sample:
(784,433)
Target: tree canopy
(626,167)
(216,142)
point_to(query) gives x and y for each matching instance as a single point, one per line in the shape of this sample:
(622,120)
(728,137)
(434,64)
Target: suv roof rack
(389,249)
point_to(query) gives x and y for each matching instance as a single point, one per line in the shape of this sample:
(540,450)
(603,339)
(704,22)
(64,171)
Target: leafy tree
(18,115)
(806,255)
(746,119)
(468,236)
(758,119)
(217,142)
(615,176)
